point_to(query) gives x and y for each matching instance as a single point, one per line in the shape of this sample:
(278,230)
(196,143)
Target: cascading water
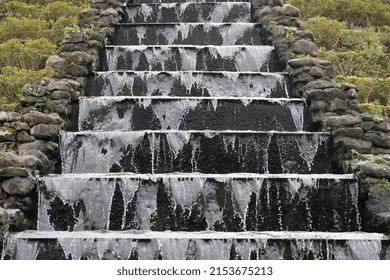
(189,147)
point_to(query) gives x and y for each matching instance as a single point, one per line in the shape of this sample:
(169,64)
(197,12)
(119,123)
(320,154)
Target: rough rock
(383,126)
(59,85)
(28,100)
(316,72)
(380,139)
(42,158)
(46,147)
(61,106)
(328,94)
(35,118)
(20,126)
(318,105)
(301,62)
(10,172)
(7,134)
(367,125)
(24,137)
(45,131)
(75,38)
(9,117)
(80,58)
(15,217)
(24,203)
(305,34)
(361,146)
(374,170)
(304,46)
(57,95)
(352,132)
(377,211)
(338,105)
(343,121)
(289,10)
(3,216)
(19,185)
(10,159)
(320,84)
(109,12)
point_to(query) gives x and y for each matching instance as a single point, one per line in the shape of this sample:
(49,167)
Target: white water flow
(216,84)
(244,58)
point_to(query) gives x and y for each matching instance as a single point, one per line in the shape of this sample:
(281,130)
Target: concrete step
(196,202)
(190,113)
(94,245)
(190,58)
(208,84)
(188,12)
(195,151)
(188,34)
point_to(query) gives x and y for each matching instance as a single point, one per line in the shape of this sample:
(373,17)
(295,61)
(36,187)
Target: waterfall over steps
(189,146)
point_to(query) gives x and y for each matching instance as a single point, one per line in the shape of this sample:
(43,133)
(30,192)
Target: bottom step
(195,246)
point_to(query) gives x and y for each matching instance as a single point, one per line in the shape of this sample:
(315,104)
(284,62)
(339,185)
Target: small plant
(42,101)
(290,31)
(379,160)
(354,153)
(74,28)
(384,184)
(377,120)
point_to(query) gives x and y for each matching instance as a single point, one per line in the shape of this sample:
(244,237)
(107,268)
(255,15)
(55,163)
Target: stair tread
(204,175)
(158,97)
(133,234)
(187,23)
(195,72)
(170,4)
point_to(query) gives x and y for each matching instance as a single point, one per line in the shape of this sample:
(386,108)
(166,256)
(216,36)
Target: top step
(180,1)
(188,12)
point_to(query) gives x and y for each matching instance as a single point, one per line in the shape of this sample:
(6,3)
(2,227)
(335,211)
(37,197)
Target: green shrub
(12,80)
(23,28)
(59,9)
(58,29)
(371,89)
(22,9)
(326,31)
(361,13)
(28,54)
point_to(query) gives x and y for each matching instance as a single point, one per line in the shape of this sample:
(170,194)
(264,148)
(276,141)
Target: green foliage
(59,28)
(354,152)
(371,90)
(22,28)
(59,9)
(326,31)
(356,13)
(289,31)
(30,31)
(27,54)
(12,80)
(384,184)
(379,160)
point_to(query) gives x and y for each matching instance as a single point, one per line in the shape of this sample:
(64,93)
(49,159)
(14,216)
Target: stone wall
(361,141)
(29,140)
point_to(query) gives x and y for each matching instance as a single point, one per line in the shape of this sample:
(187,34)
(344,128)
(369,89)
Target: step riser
(188,12)
(224,84)
(197,204)
(147,152)
(189,114)
(218,58)
(184,34)
(179,249)
(183,1)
